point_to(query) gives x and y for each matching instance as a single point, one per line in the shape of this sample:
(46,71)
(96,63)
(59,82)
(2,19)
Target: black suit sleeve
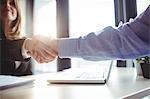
(11,50)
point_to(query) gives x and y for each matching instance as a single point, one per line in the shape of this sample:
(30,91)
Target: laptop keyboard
(80,74)
(88,75)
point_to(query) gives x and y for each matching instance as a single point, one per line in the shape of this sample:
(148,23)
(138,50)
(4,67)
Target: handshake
(42,49)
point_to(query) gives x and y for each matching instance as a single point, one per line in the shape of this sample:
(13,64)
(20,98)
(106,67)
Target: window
(142,5)
(88,16)
(23,13)
(45,24)
(45,17)
(85,16)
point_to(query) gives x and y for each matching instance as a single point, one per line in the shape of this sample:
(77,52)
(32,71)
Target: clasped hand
(41,48)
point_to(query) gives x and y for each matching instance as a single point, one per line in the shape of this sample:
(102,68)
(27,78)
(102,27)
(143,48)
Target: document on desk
(13,81)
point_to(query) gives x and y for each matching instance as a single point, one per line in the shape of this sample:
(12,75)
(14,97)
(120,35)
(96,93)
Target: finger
(49,55)
(40,59)
(46,54)
(34,54)
(43,54)
(46,50)
(44,57)
(46,60)
(49,60)
(50,50)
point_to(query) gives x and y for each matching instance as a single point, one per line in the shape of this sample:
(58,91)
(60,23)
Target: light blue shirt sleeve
(128,41)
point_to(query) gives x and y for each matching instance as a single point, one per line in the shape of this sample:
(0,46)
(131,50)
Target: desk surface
(122,82)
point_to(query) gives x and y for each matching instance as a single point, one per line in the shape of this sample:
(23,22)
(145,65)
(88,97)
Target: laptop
(89,75)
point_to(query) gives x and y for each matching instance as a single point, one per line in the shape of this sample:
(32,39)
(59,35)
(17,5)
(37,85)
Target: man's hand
(40,48)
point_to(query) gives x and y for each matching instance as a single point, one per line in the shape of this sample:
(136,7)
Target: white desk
(122,82)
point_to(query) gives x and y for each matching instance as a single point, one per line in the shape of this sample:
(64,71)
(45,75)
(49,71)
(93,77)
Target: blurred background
(85,16)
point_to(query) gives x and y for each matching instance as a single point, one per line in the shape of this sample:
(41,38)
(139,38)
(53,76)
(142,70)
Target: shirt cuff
(24,51)
(67,48)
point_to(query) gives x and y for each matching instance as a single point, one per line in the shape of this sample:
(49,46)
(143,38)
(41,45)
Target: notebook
(83,75)
(7,82)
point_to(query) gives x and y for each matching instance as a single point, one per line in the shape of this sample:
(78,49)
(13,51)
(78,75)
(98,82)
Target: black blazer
(10,51)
